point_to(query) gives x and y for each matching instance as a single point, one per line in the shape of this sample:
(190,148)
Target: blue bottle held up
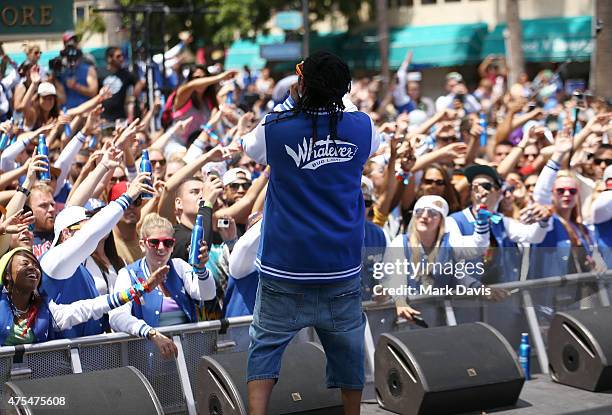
(484,125)
(525,355)
(145,167)
(43,176)
(197,233)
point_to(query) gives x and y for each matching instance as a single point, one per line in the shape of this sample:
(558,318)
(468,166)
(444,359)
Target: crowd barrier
(528,309)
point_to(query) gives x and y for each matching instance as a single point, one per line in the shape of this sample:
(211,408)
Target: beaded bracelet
(403,177)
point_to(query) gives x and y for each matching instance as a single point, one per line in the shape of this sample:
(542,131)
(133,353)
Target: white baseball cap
(231,175)
(66,218)
(46,89)
(432,202)
(367,188)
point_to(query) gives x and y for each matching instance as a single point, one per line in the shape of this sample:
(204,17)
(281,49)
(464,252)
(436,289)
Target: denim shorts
(282,308)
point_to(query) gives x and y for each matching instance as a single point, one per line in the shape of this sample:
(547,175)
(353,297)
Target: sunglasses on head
(561,190)
(236,186)
(155,242)
(437,182)
(599,161)
(422,211)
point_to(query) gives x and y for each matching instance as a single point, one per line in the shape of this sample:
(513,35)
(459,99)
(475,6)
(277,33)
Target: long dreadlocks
(326,80)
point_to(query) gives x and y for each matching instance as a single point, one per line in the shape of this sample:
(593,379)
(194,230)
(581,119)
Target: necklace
(19,312)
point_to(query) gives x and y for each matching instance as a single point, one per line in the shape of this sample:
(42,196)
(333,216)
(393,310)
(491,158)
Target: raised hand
(38,164)
(158,277)
(140,185)
(16,223)
(112,157)
(213,188)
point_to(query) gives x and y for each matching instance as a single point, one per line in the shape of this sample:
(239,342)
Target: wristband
(208,204)
(23,190)
(403,177)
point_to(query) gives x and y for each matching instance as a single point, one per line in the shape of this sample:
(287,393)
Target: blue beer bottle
(145,167)
(197,233)
(484,125)
(525,355)
(44,176)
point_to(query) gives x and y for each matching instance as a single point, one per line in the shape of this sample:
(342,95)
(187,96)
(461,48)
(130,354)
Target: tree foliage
(240,18)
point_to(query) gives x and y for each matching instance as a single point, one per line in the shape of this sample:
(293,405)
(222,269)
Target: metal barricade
(174,380)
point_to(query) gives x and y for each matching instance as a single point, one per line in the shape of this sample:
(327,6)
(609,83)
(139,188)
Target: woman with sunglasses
(173,301)
(27,316)
(435,182)
(428,241)
(567,246)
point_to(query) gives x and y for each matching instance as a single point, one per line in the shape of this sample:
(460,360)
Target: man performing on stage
(309,255)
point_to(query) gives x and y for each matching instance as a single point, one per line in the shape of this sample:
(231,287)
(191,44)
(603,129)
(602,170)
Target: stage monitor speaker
(446,370)
(222,386)
(580,348)
(116,391)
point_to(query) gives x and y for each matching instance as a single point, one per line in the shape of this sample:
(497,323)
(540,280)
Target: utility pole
(383,41)
(514,42)
(602,55)
(306,24)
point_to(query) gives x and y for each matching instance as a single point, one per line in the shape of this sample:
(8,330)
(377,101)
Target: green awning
(97,53)
(246,52)
(548,40)
(443,45)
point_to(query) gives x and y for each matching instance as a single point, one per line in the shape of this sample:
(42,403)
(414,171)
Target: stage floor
(540,396)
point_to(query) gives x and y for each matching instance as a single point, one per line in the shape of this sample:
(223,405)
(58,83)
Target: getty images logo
(311,155)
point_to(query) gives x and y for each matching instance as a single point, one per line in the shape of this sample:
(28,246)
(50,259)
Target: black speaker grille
(394,382)
(214,405)
(571,358)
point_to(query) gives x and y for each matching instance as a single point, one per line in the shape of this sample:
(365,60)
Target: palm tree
(514,43)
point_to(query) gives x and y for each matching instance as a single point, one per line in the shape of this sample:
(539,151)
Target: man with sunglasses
(118,79)
(65,277)
(502,262)
(236,182)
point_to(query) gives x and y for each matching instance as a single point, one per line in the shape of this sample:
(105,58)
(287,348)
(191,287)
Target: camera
(68,58)
(223,223)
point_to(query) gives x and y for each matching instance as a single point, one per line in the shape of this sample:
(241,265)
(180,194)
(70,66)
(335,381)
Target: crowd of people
(485,174)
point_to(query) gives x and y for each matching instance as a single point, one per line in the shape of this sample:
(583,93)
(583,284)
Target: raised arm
(110,160)
(184,91)
(62,260)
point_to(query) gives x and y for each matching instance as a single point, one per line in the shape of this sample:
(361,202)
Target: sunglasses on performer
(155,242)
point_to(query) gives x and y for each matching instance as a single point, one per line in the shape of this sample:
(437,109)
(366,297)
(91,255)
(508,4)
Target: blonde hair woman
(172,302)
(429,249)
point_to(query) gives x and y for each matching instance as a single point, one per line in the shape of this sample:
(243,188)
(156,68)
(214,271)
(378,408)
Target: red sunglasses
(155,242)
